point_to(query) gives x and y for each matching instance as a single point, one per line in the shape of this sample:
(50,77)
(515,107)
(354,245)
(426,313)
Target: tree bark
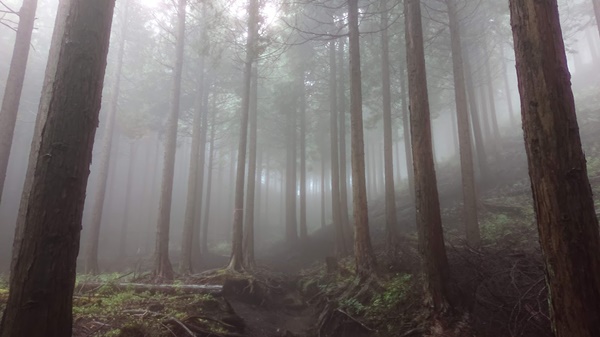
(596,4)
(564,206)
(429,223)
(91,264)
(363,252)
(390,193)
(162,264)
(40,121)
(464,131)
(14,84)
(43,275)
(237,250)
(340,241)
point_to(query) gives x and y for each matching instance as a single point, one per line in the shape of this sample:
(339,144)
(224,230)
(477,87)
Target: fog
(288,41)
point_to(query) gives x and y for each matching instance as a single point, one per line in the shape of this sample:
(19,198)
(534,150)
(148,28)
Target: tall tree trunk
(43,275)
(162,264)
(127,217)
(303,225)
(482,161)
(563,200)
(91,265)
(40,121)
(14,84)
(291,224)
(251,188)
(237,249)
(340,241)
(464,131)
(429,222)
(391,222)
(209,195)
(491,93)
(194,190)
(363,252)
(342,136)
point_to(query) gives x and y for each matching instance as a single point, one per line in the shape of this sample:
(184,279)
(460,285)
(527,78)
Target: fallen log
(141,287)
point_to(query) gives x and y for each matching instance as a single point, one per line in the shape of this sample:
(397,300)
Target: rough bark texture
(251,189)
(43,276)
(40,121)
(91,256)
(162,264)
(363,252)
(14,84)
(237,249)
(340,242)
(391,221)
(464,132)
(429,223)
(564,206)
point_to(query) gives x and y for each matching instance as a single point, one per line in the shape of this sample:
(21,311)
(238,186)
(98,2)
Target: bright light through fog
(150,3)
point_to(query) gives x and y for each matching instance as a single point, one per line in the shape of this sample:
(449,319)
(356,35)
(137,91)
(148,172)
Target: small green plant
(396,291)
(352,306)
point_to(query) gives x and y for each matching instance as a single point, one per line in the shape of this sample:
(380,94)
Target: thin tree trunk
(429,222)
(303,225)
(363,253)
(162,264)
(482,161)
(406,132)
(14,84)
(390,193)
(237,249)
(127,217)
(342,136)
(43,275)
(322,186)
(194,190)
(251,188)
(464,132)
(291,224)
(340,241)
(209,194)
(564,205)
(491,93)
(596,4)
(91,264)
(507,94)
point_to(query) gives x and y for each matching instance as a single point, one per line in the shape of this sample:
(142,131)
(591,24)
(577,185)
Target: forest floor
(498,290)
